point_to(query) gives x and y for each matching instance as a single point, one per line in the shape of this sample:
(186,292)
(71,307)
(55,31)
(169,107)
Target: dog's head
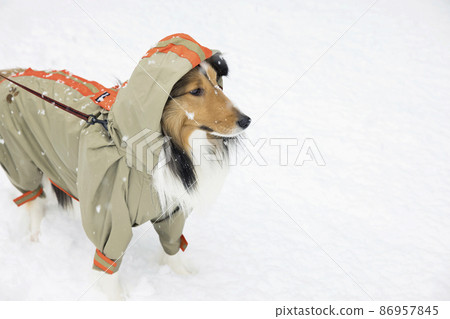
(197,102)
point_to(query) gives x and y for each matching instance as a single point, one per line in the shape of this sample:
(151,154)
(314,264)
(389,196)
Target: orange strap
(181,50)
(28,196)
(104,263)
(183,243)
(60,188)
(109,261)
(101,95)
(205,50)
(99,265)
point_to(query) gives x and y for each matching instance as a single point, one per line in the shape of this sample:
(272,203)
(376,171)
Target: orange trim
(180,50)
(12,75)
(109,261)
(183,243)
(28,193)
(35,196)
(63,190)
(99,265)
(185,36)
(97,85)
(106,101)
(24,195)
(83,89)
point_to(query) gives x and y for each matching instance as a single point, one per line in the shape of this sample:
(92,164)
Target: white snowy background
(373,223)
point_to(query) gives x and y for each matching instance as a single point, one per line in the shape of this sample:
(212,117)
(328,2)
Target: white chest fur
(211,167)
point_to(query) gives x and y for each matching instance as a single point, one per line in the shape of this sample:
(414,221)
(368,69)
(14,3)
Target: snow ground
(372,223)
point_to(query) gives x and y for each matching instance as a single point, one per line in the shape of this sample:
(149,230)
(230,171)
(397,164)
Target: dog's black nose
(244,121)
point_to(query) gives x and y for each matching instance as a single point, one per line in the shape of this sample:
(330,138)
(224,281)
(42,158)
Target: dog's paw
(34,237)
(179,264)
(110,286)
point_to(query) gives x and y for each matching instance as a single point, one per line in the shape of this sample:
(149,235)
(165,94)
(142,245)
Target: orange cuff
(103,263)
(28,196)
(183,243)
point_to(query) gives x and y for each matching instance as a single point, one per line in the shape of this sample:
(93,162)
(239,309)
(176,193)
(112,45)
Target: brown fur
(212,110)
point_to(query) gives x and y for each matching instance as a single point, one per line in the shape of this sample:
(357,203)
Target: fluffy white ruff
(211,167)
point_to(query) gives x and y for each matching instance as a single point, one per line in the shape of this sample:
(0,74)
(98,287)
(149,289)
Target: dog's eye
(197,92)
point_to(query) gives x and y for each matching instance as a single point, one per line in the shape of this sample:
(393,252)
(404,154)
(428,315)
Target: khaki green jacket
(109,172)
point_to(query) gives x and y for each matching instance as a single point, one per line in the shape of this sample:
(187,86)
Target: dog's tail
(64,200)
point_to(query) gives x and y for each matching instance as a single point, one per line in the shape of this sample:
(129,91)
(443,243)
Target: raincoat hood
(135,117)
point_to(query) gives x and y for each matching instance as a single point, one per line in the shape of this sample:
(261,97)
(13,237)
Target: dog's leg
(36,211)
(178,263)
(109,285)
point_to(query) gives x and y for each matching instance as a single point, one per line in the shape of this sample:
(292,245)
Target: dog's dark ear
(219,65)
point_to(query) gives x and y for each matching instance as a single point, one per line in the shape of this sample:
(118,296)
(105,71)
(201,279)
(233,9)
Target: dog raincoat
(109,172)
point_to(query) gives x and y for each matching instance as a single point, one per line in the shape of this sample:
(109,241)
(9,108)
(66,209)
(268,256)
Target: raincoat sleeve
(170,231)
(103,192)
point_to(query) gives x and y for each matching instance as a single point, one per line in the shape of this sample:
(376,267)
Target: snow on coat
(103,170)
